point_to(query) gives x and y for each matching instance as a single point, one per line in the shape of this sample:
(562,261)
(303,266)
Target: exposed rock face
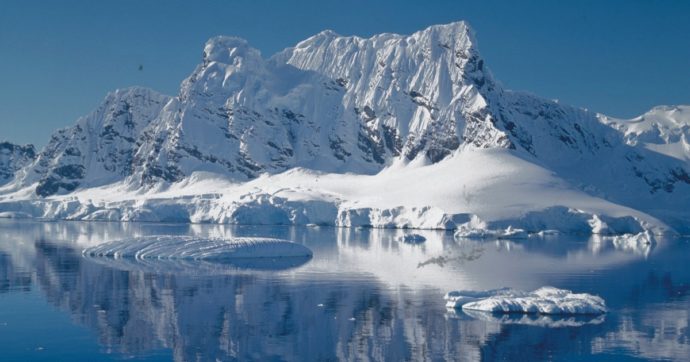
(14,157)
(332,103)
(99,149)
(420,94)
(340,104)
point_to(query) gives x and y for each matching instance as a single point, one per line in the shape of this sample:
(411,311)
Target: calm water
(364,296)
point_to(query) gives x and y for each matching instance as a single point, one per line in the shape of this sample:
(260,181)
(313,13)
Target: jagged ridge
(350,105)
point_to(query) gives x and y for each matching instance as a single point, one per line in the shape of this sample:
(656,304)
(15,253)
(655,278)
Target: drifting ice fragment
(640,242)
(545,300)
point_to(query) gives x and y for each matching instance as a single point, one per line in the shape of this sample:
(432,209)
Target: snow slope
(389,131)
(664,129)
(506,191)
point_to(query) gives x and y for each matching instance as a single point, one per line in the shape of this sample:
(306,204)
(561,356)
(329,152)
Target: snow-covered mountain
(242,115)
(664,129)
(14,157)
(99,149)
(392,130)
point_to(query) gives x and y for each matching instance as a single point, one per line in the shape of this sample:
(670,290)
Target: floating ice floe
(170,247)
(545,300)
(412,239)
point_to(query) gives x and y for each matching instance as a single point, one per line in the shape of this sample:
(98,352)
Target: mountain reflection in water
(364,295)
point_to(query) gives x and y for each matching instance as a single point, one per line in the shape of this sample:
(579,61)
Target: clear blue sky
(58,59)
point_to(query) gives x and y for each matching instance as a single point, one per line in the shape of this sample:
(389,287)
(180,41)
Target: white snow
(664,129)
(195,248)
(392,131)
(545,300)
(507,196)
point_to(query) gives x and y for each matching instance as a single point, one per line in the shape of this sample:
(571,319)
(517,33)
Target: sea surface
(364,295)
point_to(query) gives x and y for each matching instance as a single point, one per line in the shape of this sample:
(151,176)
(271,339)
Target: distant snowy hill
(389,131)
(664,129)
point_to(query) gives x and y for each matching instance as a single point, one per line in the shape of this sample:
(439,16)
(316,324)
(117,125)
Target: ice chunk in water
(545,300)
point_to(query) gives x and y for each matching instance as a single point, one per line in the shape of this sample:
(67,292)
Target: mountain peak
(457,27)
(328,33)
(453,34)
(227,49)
(457,36)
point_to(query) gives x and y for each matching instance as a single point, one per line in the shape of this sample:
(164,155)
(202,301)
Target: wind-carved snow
(194,248)
(545,300)
(407,131)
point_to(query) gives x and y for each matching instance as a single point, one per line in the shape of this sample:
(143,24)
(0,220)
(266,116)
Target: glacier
(391,131)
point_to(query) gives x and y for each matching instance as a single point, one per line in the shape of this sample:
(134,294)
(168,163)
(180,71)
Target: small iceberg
(169,247)
(545,300)
(640,243)
(412,239)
